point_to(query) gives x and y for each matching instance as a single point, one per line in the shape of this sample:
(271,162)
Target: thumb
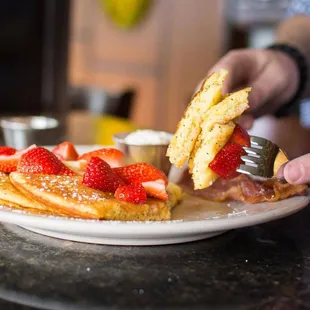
(296,171)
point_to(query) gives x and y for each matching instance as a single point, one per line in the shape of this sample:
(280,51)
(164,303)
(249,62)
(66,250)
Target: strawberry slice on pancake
(65,151)
(153,180)
(113,157)
(9,158)
(40,160)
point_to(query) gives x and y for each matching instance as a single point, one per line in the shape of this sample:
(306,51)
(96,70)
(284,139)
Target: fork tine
(258,141)
(252,160)
(254,151)
(259,159)
(254,171)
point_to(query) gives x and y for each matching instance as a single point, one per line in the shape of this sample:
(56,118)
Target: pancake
(14,206)
(13,197)
(67,195)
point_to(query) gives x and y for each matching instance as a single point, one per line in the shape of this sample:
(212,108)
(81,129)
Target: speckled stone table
(262,267)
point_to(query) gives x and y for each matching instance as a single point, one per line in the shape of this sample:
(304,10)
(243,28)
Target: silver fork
(263,159)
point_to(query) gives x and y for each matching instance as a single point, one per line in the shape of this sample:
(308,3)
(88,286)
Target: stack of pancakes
(67,196)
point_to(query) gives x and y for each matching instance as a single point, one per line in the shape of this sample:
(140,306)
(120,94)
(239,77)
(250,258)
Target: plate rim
(172,227)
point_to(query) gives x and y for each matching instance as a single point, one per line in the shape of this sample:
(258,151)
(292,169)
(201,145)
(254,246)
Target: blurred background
(101,66)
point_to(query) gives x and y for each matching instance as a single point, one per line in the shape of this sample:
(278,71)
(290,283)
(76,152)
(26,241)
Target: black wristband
(302,66)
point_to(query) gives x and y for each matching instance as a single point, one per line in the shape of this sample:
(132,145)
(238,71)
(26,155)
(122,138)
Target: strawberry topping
(240,136)
(153,180)
(112,156)
(140,172)
(78,166)
(134,193)
(42,161)
(227,160)
(156,189)
(8,163)
(66,151)
(99,175)
(6,150)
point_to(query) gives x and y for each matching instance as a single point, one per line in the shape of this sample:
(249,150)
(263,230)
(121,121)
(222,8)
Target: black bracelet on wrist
(302,66)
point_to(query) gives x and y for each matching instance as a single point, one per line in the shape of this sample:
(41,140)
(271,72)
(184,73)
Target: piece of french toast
(206,127)
(189,127)
(216,130)
(67,195)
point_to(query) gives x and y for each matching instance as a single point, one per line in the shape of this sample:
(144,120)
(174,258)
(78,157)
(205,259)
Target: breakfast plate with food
(122,195)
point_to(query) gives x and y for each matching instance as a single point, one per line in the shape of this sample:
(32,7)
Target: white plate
(191,223)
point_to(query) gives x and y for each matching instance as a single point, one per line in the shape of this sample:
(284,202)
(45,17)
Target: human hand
(296,171)
(272,75)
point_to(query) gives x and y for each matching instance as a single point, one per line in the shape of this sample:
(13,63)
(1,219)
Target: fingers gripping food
(200,143)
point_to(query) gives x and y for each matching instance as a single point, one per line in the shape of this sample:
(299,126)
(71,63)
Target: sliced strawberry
(134,193)
(139,173)
(64,170)
(78,166)
(153,180)
(6,150)
(99,175)
(227,160)
(240,136)
(8,163)
(66,151)
(112,156)
(42,161)
(156,189)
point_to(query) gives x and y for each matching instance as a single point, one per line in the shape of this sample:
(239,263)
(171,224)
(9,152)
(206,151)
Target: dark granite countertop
(262,267)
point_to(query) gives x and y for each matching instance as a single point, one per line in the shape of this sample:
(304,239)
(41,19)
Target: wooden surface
(163,58)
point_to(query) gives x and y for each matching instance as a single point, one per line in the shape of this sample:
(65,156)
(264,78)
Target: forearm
(295,31)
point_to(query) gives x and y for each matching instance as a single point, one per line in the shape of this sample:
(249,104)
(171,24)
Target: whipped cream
(148,137)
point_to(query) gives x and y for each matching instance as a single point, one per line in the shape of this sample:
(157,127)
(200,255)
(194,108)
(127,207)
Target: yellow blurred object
(107,125)
(125,13)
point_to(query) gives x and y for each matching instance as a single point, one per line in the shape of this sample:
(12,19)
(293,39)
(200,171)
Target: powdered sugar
(237,213)
(69,187)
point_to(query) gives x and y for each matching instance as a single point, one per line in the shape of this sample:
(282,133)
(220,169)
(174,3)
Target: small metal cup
(20,132)
(151,154)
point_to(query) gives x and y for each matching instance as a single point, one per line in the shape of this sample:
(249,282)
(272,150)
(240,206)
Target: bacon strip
(244,189)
